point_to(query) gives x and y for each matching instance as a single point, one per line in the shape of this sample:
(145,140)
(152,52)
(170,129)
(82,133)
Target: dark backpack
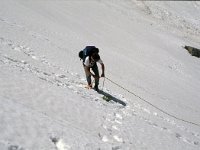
(88,51)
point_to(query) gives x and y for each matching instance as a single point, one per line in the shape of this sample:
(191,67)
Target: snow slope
(44,105)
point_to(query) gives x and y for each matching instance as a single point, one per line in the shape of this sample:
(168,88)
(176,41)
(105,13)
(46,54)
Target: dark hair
(92,51)
(96,50)
(95,56)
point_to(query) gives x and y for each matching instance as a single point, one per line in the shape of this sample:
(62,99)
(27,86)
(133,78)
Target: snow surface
(44,105)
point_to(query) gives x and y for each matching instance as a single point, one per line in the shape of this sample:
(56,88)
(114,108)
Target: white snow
(44,105)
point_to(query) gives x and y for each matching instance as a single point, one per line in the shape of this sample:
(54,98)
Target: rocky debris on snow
(193,51)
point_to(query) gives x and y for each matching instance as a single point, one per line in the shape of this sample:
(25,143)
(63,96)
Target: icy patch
(105,138)
(115,127)
(118,138)
(117,121)
(104,126)
(17,49)
(34,57)
(119,116)
(61,145)
(146,110)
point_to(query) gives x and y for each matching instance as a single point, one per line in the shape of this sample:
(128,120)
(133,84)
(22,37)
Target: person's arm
(103,70)
(86,66)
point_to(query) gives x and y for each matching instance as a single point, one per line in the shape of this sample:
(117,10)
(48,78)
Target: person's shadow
(109,97)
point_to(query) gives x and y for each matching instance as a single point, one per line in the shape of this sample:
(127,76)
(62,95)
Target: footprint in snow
(59,143)
(15,147)
(186,140)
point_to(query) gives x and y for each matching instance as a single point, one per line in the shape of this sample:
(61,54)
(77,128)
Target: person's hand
(96,77)
(102,75)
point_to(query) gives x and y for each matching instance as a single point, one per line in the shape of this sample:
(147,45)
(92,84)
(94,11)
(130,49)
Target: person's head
(95,57)
(93,51)
(96,50)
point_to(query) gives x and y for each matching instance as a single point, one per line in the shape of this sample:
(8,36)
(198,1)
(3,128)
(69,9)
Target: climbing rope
(163,111)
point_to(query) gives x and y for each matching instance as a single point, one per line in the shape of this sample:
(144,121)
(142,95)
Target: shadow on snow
(108,97)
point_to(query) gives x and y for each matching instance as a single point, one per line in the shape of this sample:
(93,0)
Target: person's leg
(89,81)
(88,77)
(96,72)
